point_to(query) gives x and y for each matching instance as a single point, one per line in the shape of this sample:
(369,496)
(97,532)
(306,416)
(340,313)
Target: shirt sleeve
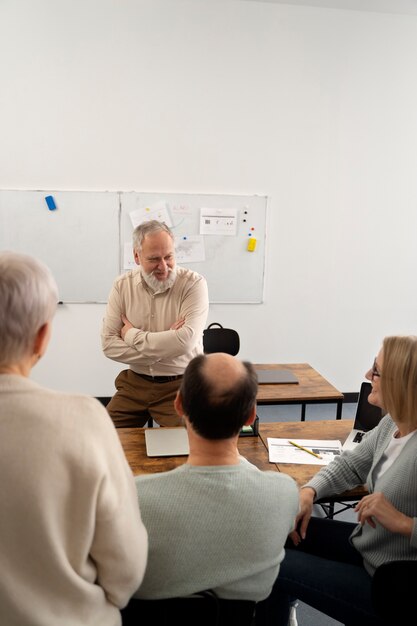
(346,471)
(169,344)
(143,347)
(353,467)
(114,347)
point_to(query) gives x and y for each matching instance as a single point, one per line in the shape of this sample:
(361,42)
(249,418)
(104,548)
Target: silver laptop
(266,377)
(367,417)
(166,441)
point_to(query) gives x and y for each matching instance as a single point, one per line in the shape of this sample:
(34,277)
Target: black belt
(160,379)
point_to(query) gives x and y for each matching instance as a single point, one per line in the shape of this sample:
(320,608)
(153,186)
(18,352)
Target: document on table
(282,451)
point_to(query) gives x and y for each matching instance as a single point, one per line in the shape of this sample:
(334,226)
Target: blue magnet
(50,202)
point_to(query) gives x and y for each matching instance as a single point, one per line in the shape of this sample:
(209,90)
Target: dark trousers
(324,571)
(138,399)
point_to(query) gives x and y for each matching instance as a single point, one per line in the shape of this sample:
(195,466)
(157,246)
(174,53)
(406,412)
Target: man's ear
(42,339)
(136,257)
(251,417)
(178,404)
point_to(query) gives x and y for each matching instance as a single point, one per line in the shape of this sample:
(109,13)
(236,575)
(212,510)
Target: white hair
(159,286)
(148,228)
(28,299)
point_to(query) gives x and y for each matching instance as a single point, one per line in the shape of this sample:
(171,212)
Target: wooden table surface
(255,449)
(311,386)
(319,429)
(133,442)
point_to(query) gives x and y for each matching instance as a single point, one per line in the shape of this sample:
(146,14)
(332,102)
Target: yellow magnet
(251,244)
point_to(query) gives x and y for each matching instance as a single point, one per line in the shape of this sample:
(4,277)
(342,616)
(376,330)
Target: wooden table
(133,442)
(255,449)
(312,388)
(322,429)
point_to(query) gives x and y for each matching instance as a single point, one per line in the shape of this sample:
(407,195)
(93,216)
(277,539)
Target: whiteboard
(82,240)
(79,240)
(233,273)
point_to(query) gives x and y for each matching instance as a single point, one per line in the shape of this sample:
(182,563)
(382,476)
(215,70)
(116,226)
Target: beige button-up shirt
(151,347)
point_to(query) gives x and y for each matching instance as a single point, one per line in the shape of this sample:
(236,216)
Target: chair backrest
(393,592)
(204,609)
(219,339)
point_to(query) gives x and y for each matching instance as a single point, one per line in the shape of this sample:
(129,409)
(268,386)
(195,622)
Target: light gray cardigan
(398,484)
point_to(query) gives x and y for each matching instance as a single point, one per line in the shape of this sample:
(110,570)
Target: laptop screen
(367,415)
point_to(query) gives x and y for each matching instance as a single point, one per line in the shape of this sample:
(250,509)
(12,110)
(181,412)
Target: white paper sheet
(157,211)
(281,451)
(128,257)
(189,249)
(218,222)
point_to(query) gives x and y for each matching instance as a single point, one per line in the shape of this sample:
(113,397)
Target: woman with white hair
(72,543)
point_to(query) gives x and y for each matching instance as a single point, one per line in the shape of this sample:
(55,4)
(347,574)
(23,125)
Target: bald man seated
(216,522)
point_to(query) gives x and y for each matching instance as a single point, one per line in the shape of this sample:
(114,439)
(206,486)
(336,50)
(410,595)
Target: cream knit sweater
(73,547)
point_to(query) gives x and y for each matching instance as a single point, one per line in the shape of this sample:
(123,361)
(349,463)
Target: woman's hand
(376,508)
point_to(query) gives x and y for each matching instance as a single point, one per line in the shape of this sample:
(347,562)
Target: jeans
(324,571)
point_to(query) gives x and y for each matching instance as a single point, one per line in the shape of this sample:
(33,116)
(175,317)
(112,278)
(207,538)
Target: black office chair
(219,339)
(203,609)
(393,592)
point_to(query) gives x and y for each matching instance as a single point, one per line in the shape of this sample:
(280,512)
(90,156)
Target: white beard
(159,286)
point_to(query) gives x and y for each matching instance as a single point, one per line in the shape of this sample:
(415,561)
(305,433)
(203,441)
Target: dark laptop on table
(275,376)
(367,417)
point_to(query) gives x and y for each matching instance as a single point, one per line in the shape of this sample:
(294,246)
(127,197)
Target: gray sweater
(217,527)
(398,484)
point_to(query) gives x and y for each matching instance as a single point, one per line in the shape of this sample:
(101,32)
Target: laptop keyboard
(358,437)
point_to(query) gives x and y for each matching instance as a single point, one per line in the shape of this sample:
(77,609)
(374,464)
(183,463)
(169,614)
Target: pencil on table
(305,449)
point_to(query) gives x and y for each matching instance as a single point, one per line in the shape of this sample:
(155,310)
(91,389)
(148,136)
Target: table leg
(339,409)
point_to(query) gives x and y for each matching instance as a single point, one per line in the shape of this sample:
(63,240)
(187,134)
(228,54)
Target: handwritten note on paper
(157,211)
(281,451)
(218,222)
(181,209)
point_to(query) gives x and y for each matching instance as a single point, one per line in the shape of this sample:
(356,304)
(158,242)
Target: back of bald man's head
(218,394)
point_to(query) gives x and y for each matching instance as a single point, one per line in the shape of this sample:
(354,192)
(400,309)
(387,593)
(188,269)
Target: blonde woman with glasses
(329,564)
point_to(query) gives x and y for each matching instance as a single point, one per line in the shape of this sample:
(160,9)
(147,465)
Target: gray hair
(148,228)
(28,299)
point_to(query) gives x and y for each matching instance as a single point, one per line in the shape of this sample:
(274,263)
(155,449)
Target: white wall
(315,108)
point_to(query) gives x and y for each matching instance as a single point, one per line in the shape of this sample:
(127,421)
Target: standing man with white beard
(154,323)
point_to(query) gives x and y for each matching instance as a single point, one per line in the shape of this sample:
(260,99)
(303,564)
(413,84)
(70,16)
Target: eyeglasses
(374,371)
